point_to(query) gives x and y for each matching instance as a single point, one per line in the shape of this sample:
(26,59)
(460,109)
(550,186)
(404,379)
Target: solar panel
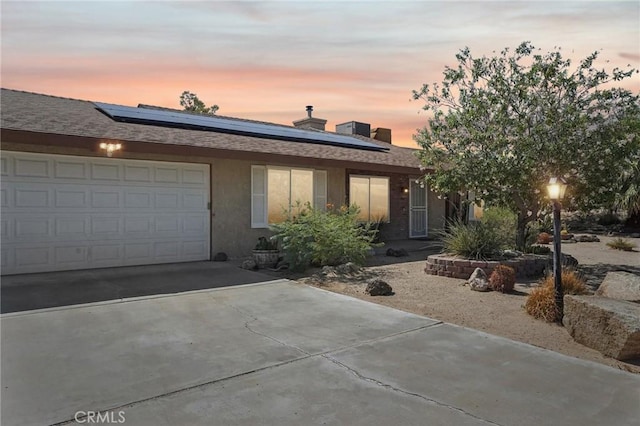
(156,117)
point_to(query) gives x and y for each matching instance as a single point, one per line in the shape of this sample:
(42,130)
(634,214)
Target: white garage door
(65,212)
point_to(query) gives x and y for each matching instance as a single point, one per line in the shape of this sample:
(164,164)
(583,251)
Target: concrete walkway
(285,354)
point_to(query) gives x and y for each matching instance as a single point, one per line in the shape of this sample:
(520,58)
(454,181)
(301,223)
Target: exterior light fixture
(405,190)
(110,148)
(556,188)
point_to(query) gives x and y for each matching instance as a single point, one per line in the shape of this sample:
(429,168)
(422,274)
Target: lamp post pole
(556,188)
(557,262)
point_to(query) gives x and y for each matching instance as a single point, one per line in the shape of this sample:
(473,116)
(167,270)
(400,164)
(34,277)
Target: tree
(190,102)
(503,125)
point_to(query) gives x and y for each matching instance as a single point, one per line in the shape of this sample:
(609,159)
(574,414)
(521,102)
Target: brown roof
(51,115)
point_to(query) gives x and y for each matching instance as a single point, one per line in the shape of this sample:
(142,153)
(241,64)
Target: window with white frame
(276,190)
(371,194)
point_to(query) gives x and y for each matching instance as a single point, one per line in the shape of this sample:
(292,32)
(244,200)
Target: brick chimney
(310,122)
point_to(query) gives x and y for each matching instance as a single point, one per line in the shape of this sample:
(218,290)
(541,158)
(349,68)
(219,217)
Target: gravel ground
(450,300)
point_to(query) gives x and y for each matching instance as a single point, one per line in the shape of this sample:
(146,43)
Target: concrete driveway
(37,291)
(283,353)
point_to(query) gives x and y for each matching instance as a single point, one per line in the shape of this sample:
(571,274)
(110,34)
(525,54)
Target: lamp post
(556,188)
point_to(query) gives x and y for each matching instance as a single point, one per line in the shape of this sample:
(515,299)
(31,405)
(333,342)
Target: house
(182,187)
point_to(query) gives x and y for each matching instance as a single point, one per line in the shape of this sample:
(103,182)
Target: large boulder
(379,288)
(478,280)
(608,325)
(620,285)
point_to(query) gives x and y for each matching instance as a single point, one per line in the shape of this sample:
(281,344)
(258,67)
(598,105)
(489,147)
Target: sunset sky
(267,60)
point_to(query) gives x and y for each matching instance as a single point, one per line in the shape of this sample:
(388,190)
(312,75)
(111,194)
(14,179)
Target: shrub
(541,301)
(474,240)
(320,238)
(503,223)
(544,238)
(608,219)
(503,278)
(538,250)
(621,244)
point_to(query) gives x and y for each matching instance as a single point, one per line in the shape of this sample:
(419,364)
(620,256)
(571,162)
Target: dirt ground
(450,300)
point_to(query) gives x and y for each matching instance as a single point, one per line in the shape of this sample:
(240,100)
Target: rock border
(446,265)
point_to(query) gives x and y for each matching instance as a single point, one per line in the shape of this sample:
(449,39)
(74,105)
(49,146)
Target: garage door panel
(105,172)
(71,255)
(33,256)
(66,212)
(4,166)
(194,249)
(138,173)
(30,198)
(70,170)
(71,198)
(106,254)
(32,167)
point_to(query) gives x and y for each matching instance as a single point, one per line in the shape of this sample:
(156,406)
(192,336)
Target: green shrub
(503,279)
(503,223)
(621,244)
(538,250)
(474,240)
(319,238)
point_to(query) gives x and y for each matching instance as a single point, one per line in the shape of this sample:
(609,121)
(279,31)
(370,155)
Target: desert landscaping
(450,300)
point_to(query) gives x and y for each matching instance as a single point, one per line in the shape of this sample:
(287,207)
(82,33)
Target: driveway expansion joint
(404,392)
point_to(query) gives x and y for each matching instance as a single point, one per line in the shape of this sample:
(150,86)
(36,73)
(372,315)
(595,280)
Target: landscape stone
(609,326)
(348,268)
(620,285)
(220,257)
(379,288)
(478,280)
(397,253)
(249,264)
(587,239)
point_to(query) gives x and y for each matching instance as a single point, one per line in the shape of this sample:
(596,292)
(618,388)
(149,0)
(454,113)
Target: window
(371,194)
(275,190)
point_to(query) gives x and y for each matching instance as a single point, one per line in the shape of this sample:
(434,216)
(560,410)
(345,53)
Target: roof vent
(309,110)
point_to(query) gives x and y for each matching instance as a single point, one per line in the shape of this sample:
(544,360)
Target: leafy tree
(503,125)
(190,102)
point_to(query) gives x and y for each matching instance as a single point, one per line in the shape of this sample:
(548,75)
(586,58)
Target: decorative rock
(397,253)
(249,264)
(220,257)
(348,268)
(608,325)
(511,253)
(379,288)
(478,280)
(587,239)
(620,285)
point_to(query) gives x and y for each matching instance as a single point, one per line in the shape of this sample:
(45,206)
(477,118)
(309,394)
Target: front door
(417,209)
